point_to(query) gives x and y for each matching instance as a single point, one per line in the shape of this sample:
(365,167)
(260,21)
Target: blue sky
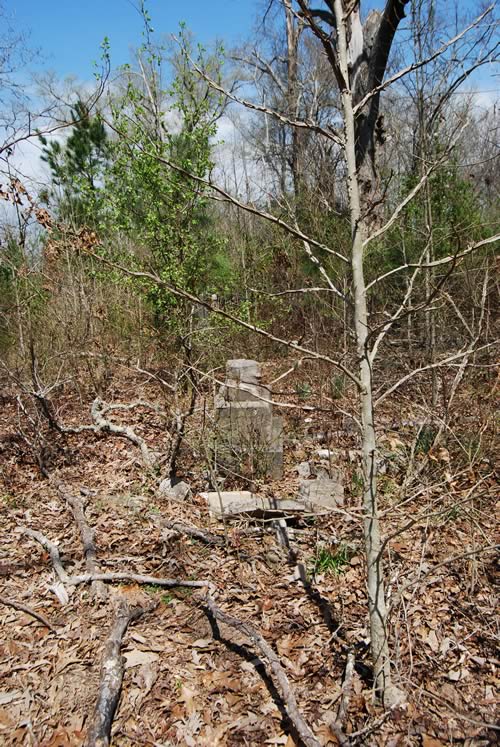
(69,32)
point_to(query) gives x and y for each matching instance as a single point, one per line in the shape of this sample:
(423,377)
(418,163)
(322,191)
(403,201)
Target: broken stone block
(303,470)
(325,454)
(177,491)
(322,492)
(243,502)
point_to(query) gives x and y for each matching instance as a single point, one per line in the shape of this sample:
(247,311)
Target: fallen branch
(29,611)
(98,410)
(207,537)
(86,578)
(111,677)
(336,724)
(303,729)
(87,535)
(346,689)
(102,425)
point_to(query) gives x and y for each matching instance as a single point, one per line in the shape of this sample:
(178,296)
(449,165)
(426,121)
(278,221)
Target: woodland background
(198,208)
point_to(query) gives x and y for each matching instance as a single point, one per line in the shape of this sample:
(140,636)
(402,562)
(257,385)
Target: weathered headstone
(322,492)
(249,435)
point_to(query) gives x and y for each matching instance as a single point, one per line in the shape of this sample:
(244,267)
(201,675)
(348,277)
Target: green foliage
(163,148)
(425,439)
(303,390)
(357,483)
(77,167)
(331,561)
(456,222)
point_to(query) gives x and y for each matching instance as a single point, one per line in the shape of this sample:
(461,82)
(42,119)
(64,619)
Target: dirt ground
(192,681)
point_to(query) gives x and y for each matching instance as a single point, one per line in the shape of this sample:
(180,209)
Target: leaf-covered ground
(190,681)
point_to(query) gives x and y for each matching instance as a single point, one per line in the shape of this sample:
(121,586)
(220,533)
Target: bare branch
(310,126)
(265,649)
(438,262)
(87,536)
(416,189)
(29,611)
(180,293)
(112,668)
(119,576)
(437,364)
(421,63)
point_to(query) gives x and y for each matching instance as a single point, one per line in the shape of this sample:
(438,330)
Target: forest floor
(190,680)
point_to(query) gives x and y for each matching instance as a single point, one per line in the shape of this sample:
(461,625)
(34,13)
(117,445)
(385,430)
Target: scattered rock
(325,453)
(303,470)
(178,491)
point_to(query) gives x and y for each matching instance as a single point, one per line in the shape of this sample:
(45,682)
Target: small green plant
(303,391)
(425,439)
(337,387)
(167,598)
(388,486)
(357,483)
(333,561)
(178,686)
(152,588)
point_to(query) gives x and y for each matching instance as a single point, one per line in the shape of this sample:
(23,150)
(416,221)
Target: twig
(207,537)
(87,536)
(303,729)
(346,689)
(29,611)
(112,668)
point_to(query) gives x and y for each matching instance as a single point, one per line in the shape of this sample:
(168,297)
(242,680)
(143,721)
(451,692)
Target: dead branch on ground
(111,677)
(87,536)
(86,578)
(207,537)
(346,689)
(290,701)
(29,611)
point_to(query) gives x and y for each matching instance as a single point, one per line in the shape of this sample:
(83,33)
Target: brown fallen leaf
(428,741)
(136,657)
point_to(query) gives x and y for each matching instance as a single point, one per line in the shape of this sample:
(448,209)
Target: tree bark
(375,572)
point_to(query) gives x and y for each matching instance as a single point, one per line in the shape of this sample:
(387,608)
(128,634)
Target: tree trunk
(375,573)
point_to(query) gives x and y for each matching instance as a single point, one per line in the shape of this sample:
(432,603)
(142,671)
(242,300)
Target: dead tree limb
(87,536)
(346,689)
(207,537)
(52,550)
(29,611)
(103,425)
(111,678)
(99,409)
(137,578)
(86,578)
(290,701)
